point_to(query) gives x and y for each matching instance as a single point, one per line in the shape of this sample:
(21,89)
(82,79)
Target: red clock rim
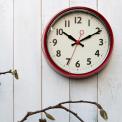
(60,70)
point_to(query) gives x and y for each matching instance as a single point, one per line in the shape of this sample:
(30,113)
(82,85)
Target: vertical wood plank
(89,3)
(110,80)
(6,60)
(27,29)
(55,87)
(84,89)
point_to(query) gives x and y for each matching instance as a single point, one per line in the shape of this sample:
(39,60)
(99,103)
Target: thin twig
(70,111)
(7,72)
(82,101)
(60,106)
(13,72)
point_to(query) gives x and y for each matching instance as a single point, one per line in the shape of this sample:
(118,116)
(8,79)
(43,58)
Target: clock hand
(72,38)
(89,36)
(69,36)
(72,54)
(77,43)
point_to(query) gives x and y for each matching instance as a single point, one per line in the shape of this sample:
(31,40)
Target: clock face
(78,41)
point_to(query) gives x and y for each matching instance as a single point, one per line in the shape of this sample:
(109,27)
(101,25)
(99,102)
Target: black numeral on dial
(67,23)
(101,42)
(97,53)
(68,61)
(77,64)
(88,61)
(89,22)
(54,42)
(78,20)
(58,53)
(59,31)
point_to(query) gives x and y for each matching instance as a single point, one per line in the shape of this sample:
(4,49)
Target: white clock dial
(78,41)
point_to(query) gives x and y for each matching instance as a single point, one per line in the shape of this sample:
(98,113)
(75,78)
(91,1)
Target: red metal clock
(78,42)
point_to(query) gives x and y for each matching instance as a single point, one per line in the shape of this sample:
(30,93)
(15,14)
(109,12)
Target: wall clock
(78,42)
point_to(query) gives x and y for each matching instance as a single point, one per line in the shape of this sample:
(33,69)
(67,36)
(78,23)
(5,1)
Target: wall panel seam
(13,64)
(41,58)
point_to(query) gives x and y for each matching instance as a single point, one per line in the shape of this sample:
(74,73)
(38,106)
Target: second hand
(72,54)
(74,51)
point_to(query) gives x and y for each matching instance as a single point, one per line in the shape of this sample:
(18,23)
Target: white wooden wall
(21,25)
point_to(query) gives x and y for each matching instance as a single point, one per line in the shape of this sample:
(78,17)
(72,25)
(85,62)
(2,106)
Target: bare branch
(60,106)
(13,72)
(82,101)
(7,72)
(70,111)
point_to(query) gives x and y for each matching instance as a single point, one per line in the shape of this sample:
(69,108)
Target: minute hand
(89,36)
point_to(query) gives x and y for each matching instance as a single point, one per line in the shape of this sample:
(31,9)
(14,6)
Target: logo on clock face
(78,42)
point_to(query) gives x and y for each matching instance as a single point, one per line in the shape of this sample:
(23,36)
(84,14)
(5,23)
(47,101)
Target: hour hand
(69,36)
(72,38)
